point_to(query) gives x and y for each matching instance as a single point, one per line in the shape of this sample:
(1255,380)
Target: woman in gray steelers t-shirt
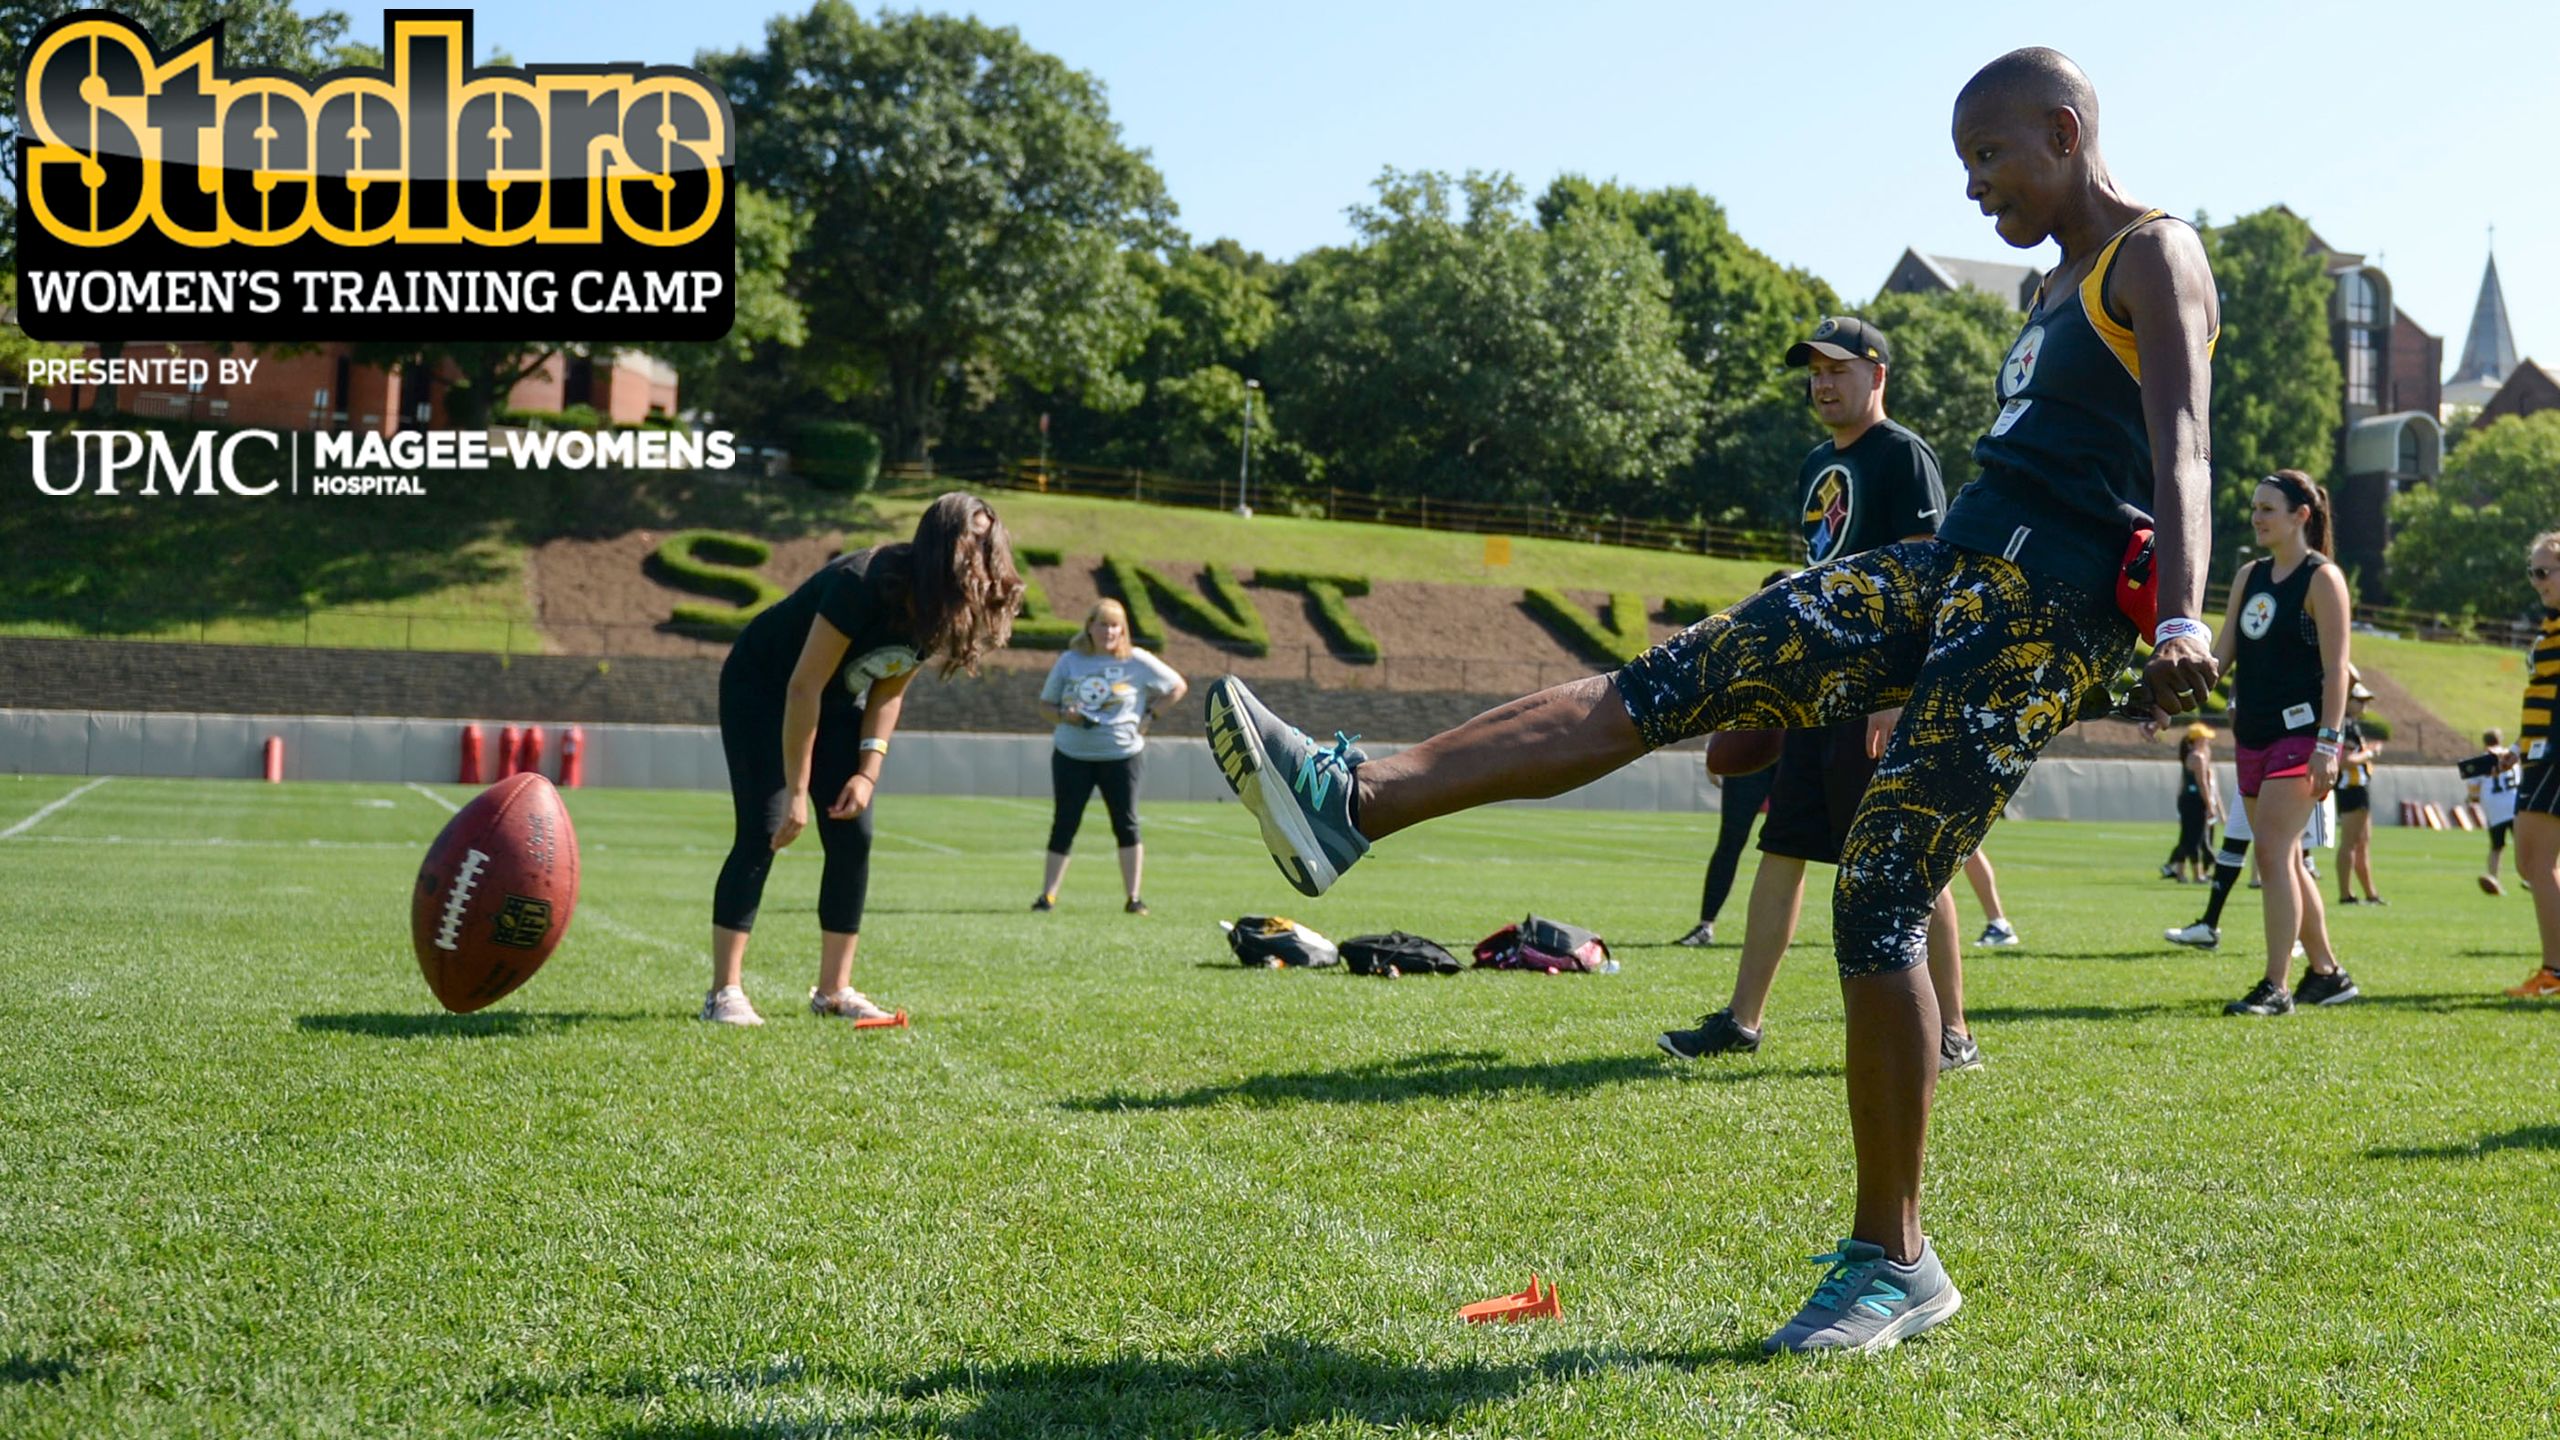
(1100,696)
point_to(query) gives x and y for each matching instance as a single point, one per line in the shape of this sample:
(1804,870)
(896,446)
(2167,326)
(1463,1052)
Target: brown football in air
(1740,752)
(495,894)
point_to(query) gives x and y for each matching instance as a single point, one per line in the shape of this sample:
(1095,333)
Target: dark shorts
(2352,798)
(2540,792)
(2288,758)
(1987,661)
(1822,775)
(2498,832)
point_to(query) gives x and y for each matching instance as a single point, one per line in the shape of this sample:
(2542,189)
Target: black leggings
(1075,781)
(2195,837)
(1743,797)
(751,737)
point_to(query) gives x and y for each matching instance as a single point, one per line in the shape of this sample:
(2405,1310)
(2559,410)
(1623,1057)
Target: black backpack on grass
(1396,953)
(1271,942)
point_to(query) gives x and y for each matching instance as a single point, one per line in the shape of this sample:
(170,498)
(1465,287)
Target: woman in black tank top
(2287,629)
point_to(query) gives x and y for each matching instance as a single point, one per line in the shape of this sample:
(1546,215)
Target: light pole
(1244,466)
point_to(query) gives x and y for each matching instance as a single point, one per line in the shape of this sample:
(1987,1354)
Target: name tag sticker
(2010,414)
(2297,715)
(2534,750)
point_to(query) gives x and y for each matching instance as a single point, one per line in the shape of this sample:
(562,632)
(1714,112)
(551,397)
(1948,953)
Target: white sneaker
(728,1006)
(2200,935)
(1998,934)
(847,1004)
(2299,953)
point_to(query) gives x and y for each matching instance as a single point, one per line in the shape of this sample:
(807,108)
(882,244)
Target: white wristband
(875,743)
(2178,627)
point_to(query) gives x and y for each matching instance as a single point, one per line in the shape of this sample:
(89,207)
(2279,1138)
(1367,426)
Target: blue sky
(1821,127)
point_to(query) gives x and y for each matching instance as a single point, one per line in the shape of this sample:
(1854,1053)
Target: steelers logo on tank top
(2258,615)
(2016,373)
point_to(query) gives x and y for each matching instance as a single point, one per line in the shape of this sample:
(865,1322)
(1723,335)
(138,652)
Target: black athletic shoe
(2168,872)
(1956,1051)
(1136,907)
(1700,938)
(2349,900)
(2263,999)
(2334,987)
(2375,900)
(1716,1034)
(1045,902)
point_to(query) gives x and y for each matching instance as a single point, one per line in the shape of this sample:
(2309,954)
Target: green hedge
(1688,609)
(1343,632)
(1039,627)
(1232,621)
(715,562)
(1620,638)
(2375,727)
(836,454)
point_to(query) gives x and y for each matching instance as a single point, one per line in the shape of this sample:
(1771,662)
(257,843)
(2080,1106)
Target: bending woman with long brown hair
(809,698)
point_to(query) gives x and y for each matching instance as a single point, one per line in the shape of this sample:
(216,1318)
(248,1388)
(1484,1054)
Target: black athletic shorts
(1822,775)
(2540,791)
(2352,798)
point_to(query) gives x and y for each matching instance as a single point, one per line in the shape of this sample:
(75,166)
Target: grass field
(1110,1183)
(1084,526)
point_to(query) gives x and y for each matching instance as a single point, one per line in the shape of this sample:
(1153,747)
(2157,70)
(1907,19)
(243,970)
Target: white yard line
(910,839)
(23,826)
(449,807)
(621,931)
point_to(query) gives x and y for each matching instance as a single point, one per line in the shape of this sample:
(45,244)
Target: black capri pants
(751,704)
(1074,782)
(2195,836)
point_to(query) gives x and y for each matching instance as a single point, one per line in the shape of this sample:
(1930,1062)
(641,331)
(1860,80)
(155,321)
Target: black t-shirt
(1883,487)
(856,594)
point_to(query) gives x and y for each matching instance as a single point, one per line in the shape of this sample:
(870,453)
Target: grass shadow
(2530,1137)
(2012,1013)
(479,1025)
(2444,1002)
(1279,1385)
(21,1368)
(1434,1075)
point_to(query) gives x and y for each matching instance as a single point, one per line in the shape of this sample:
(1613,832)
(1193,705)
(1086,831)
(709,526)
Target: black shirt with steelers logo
(1883,487)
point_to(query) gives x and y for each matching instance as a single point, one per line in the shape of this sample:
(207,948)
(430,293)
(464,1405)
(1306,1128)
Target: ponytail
(2301,492)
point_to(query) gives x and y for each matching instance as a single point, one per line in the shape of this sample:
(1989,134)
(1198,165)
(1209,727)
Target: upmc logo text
(166,195)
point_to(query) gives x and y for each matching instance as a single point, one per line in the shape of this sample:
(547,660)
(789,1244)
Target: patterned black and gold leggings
(1989,663)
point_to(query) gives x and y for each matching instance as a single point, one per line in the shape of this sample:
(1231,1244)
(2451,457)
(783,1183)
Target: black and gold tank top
(2066,465)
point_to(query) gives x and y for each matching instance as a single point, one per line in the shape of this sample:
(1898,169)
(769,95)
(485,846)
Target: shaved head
(2033,82)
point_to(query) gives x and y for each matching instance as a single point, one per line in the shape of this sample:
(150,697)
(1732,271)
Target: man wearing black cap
(1872,483)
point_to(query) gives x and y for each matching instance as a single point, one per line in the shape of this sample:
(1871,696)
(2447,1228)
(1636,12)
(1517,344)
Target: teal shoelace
(1849,1275)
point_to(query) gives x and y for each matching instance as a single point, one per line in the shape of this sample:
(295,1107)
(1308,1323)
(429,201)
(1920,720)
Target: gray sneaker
(1716,1034)
(1300,791)
(1868,1302)
(1956,1051)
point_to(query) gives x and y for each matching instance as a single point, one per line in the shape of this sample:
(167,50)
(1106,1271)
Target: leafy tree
(749,379)
(1213,311)
(968,200)
(2277,390)
(2457,547)
(1737,311)
(1947,350)
(1469,353)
